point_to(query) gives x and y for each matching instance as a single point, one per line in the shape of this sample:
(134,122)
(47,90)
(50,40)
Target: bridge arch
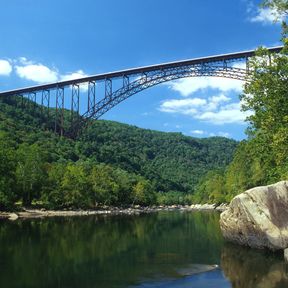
(134,81)
(158,77)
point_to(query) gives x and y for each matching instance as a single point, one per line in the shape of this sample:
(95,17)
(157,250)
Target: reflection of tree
(248,268)
(98,251)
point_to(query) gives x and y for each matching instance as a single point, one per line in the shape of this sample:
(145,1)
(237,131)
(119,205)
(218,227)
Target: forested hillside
(111,163)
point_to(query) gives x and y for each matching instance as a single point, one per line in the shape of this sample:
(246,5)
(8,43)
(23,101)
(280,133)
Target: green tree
(51,192)
(75,187)
(143,193)
(266,95)
(211,188)
(7,172)
(30,172)
(104,187)
(279,6)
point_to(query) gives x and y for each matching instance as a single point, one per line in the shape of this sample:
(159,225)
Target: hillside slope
(168,161)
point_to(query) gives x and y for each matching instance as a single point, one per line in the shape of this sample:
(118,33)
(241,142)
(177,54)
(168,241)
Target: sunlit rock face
(258,217)
(248,268)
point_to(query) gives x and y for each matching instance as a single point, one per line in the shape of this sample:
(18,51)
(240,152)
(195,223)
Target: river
(165,249)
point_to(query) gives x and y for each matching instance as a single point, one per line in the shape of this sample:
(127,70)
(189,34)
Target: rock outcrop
(258,217)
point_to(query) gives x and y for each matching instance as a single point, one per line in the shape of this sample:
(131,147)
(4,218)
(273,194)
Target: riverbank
(133,210)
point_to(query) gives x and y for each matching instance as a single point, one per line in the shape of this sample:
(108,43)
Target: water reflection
(106,252)
(168,249)
(249,268)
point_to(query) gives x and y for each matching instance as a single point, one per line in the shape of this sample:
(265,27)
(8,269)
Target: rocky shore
(133,210)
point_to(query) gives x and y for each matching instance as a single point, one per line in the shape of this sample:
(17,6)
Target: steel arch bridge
(120,85)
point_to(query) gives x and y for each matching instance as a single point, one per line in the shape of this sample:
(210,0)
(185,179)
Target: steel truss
(45,101)
(91,95)
(59,111)
(75,101)
(132,81)
(153,78)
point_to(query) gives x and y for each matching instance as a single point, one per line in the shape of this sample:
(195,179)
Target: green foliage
(111,164)
(75,187)
(30,171)
(143,193)
(171,161)
(7,171)
(105,187)
(174,197)
(279,6)
(211,189)
(263,159)
(51,193)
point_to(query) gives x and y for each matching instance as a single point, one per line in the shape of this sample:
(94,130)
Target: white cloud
(37,72)
(267,16)
(204,133)
(73,75)
(215,101)
(188,86)
(216,110)
(5,67)
(230,113)
(40,73)
(24,61)
(198,132)
(184,106)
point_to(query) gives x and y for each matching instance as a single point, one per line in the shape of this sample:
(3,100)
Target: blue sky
(46,41)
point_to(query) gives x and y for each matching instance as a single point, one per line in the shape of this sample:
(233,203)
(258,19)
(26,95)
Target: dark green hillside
(174,161)
(111,163)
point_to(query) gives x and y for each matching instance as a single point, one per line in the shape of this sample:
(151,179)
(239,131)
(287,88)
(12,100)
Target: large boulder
(258,217)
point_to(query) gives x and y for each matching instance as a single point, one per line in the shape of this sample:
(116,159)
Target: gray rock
(13,216)
(222,207)
(258,217)
(286,254)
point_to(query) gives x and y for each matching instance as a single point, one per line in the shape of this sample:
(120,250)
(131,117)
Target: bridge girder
(133,81)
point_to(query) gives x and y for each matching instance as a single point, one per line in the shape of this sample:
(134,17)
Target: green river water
(165,249)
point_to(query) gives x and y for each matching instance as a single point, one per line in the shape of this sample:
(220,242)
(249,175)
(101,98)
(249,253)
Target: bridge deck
(138,70)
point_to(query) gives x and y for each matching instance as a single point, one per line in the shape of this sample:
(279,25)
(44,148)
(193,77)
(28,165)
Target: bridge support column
(75,101)
(45,101)
(108,88)
(91,96)
(20,101)
(126,82)
(59,111)
(32,100)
